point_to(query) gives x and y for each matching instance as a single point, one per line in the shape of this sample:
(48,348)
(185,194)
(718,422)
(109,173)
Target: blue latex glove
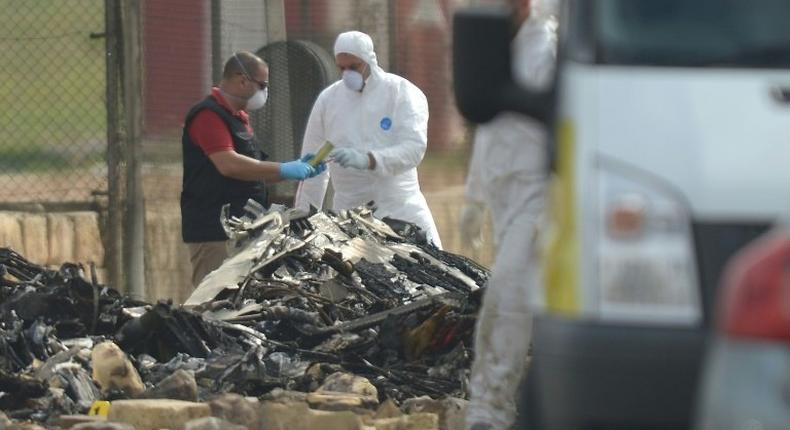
(299,169)
(351,158)
(319,168)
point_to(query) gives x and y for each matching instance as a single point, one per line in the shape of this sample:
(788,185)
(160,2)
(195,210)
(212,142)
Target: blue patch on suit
(386,123)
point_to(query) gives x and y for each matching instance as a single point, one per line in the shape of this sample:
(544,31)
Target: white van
(671,151)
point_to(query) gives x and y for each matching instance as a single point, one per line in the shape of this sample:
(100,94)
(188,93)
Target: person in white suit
(378,124)
(508,175)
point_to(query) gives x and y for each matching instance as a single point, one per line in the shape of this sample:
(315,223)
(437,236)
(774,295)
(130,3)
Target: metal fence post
(276,32)
(134,225)
(216,41)
(275,20)
(113,249)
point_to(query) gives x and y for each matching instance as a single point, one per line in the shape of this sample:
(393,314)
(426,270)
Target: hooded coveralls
(388,119)
(508,175)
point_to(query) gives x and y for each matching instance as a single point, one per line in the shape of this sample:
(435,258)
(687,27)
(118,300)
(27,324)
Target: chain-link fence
(56,101)
(413,38)
(186,43)
(53,128)
(52,82)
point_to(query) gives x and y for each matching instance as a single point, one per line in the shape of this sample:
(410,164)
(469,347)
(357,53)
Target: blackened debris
(304,296)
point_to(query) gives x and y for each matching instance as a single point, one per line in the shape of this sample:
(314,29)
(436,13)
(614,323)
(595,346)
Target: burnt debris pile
(302,297)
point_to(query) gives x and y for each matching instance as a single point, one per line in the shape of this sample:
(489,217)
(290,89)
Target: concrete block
(25,425)
(347,383)
(284,416)
(180,385)
(297,416)
(5,422)
(163,235)
(344,420)
(157,414)
(344,392)
(35,237)
(284,396)
(450,410)
(168,271)
(112,370)
(173,240)
(88,245)
(153,242)
(102,426)
(11,232)
(331,401)
(213,423)
(454,413)
(101,275)
(61,239)
(388,409)
(69,421)
(237,410)
(167,284)
(420,421)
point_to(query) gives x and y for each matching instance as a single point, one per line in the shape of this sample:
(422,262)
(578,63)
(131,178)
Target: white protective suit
(508,174)
(389,119)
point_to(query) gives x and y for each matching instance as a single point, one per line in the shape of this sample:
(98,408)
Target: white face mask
(258,100)
(353,80)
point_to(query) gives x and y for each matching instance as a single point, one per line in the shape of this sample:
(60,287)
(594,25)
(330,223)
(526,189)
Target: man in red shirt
(222,162)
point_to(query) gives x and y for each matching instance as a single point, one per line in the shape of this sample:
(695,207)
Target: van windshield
(697,33)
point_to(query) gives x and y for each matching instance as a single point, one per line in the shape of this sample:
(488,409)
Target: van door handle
(781,94)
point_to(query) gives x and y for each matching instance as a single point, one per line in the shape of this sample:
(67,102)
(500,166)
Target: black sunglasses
(261,84)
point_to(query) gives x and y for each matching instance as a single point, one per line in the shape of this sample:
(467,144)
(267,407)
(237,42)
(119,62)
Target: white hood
(359,45)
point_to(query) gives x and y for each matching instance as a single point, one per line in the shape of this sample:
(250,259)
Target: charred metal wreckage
(301,297)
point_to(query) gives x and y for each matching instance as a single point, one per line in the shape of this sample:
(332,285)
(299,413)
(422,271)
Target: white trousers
(504,330)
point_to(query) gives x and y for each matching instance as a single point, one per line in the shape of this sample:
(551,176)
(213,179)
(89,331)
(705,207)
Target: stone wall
(54,238)
(57,237)
(167,267)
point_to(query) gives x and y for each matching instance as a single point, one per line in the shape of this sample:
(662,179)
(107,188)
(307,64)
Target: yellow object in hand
(326,148)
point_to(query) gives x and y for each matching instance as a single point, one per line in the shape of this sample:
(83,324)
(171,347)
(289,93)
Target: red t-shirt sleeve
(210,133)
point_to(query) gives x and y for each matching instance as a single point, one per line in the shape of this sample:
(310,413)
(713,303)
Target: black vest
(205,190)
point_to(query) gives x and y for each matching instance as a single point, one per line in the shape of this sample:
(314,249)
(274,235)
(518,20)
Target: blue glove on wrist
(299,169)
(351,158)
(318,169)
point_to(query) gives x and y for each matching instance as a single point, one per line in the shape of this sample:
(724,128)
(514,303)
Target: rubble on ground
(334,311)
